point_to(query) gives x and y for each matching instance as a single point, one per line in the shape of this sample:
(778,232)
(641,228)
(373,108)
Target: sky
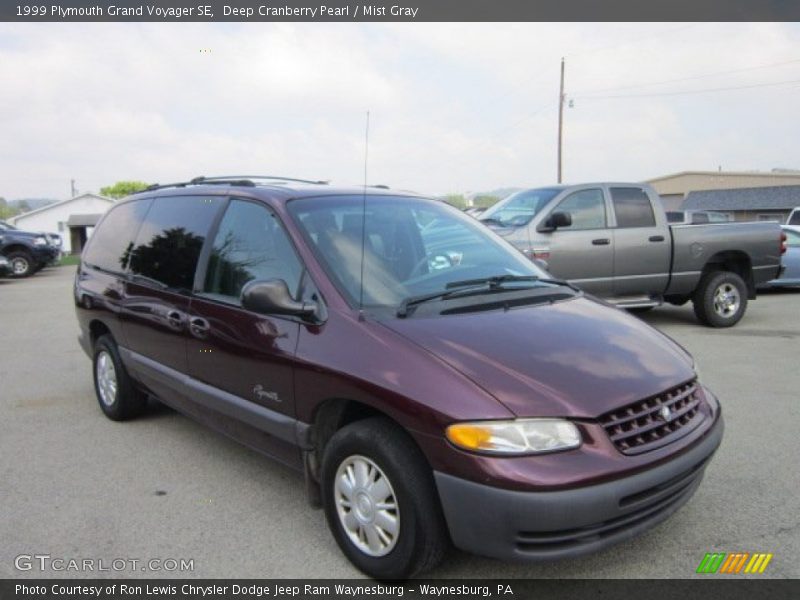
(453,107)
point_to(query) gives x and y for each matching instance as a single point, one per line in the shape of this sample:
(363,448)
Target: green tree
(5,210)
(484,201)
(457,200)
(123,188)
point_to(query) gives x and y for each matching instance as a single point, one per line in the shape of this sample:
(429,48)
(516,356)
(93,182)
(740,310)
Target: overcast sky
(454,107)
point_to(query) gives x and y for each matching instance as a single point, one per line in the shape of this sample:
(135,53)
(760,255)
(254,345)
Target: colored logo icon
(734,563)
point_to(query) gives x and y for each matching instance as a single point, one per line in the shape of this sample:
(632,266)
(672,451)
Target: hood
(576,358)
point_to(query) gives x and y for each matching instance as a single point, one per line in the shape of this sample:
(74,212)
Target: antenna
(363,222)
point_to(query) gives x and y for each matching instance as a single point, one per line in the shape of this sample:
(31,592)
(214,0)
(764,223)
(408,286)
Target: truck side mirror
(272,297)
(554,221)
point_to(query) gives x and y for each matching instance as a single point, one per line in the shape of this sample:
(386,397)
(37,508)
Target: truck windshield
(519,208)
(412,246)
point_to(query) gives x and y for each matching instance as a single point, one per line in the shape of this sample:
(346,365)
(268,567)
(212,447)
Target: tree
(123,188)
(457,200)
(484,201)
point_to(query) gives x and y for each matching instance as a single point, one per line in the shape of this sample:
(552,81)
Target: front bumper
(533,526)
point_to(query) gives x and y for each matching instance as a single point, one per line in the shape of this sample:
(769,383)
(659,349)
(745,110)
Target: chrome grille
(645,425)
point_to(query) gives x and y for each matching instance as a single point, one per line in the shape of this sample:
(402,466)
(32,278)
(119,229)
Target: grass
(69,260)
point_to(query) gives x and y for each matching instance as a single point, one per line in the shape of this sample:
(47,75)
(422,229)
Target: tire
(118,397)
(720,299)
(21,264)
(421,540)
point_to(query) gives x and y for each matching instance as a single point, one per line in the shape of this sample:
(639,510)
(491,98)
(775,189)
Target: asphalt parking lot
(76,485)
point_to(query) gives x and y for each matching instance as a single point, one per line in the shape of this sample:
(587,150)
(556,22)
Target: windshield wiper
(492,220)
(469,287)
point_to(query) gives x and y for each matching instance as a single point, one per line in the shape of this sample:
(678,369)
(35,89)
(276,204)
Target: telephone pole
(72,188)
(560,118)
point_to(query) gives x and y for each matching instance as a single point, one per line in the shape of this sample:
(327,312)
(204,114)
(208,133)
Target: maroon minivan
(433,385)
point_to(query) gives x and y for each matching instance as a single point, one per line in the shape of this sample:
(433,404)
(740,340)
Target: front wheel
(380,500)
(720,299)
(21,263)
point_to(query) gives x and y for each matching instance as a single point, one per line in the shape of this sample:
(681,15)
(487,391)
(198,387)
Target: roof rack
(241,180)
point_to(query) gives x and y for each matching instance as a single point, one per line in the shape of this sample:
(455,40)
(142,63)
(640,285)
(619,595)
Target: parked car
(27,251)
(5,267)
(790,277)
(415,367)
(696,217)
(613,240)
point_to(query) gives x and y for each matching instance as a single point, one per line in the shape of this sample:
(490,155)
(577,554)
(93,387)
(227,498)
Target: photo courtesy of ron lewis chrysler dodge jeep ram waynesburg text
(614,240)
(410,362)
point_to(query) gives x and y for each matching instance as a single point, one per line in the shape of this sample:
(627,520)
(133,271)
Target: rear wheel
(380,500)
(116,394)
(21,263)
(720,299)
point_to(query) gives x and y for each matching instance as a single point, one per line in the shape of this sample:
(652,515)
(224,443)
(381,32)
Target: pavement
(74,485)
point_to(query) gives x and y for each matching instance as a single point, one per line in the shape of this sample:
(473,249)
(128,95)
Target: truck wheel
(21,263)
(380,501)
(720,299)
(116,394)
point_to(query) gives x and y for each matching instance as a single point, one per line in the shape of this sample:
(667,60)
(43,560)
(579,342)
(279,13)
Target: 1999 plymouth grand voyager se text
(414,365)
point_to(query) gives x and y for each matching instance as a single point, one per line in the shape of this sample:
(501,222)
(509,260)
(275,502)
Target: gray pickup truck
(613,240)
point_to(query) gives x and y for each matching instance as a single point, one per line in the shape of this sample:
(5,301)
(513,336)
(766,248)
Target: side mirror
(556,220)
(272,297)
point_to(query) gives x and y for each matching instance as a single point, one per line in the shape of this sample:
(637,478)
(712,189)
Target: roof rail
(242,180)
(272,177)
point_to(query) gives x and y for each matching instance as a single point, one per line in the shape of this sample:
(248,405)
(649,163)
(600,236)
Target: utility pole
(74,191)
(560,118)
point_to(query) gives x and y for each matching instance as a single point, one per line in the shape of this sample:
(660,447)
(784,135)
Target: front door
(583,253)
(244,359)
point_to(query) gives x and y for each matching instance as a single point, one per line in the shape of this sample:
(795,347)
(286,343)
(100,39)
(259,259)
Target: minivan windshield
(412,247)
(519,208)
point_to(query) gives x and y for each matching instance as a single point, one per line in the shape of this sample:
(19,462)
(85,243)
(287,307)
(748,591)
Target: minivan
(433,385)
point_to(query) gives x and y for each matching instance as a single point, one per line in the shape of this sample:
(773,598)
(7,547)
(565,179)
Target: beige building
(674,188)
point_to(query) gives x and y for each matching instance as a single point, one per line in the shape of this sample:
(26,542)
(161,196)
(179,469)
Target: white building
(72,219)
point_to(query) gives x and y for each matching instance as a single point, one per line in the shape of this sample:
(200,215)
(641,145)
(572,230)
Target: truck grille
(644,425)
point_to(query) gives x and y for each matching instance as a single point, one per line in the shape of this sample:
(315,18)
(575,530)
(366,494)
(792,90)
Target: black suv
(28,251)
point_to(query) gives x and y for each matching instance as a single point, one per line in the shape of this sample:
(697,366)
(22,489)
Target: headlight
(521,436)
(39,241)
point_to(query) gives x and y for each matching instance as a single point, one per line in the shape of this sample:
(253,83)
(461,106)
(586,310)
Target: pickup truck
(613,240)
(28,251)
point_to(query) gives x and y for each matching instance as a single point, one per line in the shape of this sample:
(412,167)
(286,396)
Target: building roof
(776,174)
(784,197)
(55,204)
(83,220)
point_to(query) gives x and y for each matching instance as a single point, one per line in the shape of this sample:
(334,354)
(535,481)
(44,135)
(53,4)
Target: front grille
(641,427)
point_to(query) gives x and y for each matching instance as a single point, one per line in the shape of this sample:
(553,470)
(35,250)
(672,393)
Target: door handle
(656,238)
(175,318)
(601,242)
(199,326)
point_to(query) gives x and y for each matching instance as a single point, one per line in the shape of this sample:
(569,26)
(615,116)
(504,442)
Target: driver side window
(250,244)
(587,208)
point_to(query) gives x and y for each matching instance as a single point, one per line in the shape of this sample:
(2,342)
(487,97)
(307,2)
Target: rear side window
(110,245)
(250,244)
(170,239)
(632,207)
(794,218)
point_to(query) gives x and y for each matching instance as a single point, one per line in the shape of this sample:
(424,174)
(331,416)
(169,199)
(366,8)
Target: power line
(690,92)
(689,78)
